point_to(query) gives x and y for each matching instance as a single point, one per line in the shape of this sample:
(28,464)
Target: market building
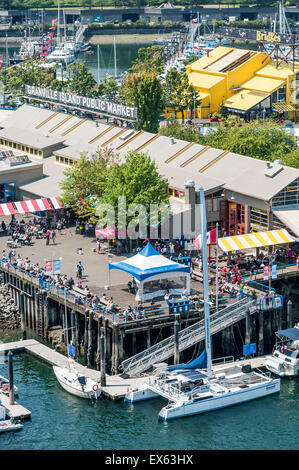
(243,194)
(246,82)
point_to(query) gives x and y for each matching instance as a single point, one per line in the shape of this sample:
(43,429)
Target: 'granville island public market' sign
(90,104)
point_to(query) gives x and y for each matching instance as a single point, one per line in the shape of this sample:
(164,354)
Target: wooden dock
(116,386)
(15,411)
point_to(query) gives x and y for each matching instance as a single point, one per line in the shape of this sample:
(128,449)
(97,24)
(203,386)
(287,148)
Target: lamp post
(194,99)
(109,256)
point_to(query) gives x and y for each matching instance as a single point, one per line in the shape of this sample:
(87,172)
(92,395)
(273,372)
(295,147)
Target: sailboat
(71,379)
(197,390)
(75,383)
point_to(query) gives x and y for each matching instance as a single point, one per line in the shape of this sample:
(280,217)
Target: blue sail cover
(291,333)
(148,263)
(199,363)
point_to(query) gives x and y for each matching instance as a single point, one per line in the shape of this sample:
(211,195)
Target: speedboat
(8,424)
(4,386)
(75,383)
(285,358)
(61,54)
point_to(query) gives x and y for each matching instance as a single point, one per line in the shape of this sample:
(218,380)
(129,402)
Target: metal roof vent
(172,140)
(189,184)
(273,169)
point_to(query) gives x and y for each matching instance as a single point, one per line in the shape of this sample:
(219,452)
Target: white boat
(285,358)
(61,54)
(191,390)
(4,386)
(8,424)
(75,383)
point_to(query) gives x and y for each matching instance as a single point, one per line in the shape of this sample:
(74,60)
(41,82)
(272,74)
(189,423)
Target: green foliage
(189,133)
(80,80)
(108,88)
(138,180)
(29,73)
(150,59)
(144,91)
(264,140)
(192,58)
(85,181)
(179,94)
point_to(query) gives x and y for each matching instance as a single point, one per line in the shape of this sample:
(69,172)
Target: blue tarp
(148,263)
(199,363)
(291,333)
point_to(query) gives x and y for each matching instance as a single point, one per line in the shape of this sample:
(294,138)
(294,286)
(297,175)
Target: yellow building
(245,82)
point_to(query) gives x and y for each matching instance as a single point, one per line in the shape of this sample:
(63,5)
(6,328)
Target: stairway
(80,32)
(189,336)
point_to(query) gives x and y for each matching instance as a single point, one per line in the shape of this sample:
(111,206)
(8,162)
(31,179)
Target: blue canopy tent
(148,266)
(290,333)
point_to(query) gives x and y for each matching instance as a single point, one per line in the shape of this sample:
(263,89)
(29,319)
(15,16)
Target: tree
(27,73)
(187,132)
(80,80)
(150,59)
(180,95)
(139,181)
(108,88)
(85,183)
(144,91)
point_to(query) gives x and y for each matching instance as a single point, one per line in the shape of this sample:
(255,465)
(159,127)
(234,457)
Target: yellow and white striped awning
(254,240)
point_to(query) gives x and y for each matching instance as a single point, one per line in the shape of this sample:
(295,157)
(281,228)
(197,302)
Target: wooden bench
(77,290)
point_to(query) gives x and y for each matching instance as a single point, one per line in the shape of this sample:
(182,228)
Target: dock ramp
(189,336)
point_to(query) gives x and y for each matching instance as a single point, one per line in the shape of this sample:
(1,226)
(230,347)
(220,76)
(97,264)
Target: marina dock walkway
(116,386)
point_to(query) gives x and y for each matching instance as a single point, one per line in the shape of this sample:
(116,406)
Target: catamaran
(191,389)
(285,358)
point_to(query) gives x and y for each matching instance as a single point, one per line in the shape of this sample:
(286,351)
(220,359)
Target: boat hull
(281,369)
(144,393)
(89,394)
(6,426)
(216,403)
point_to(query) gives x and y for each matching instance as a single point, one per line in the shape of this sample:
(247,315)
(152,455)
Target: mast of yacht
(58,24)
(114,56)
(204,254)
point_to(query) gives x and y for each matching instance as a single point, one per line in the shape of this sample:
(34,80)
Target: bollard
(10,378)
(176,327)
(102,348)
(22,310)
(289,314)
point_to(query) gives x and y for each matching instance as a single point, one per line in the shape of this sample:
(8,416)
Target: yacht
(191,389)
(61,54)
(285,358)
(28,50)
(75,383)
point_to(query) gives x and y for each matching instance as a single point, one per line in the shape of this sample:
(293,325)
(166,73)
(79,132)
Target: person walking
(47,235)
(98,246)
(53,236)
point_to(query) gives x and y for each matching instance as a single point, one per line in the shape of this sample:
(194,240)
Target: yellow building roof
(245,99)
(205,61)
(282,72)
(204,80)
(266,85)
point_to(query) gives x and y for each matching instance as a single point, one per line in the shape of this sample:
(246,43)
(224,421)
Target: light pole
(194,98)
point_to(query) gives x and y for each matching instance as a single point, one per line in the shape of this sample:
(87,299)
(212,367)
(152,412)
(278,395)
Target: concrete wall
(21,174)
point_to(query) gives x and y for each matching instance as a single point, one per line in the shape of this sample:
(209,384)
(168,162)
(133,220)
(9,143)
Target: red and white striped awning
(33,205)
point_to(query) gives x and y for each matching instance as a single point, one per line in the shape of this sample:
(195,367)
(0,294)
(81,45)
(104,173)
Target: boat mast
(58,24)
(64,25)
(98,51)
(114,56)
(205,272)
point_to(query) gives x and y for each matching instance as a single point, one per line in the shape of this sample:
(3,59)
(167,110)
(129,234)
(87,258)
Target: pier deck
(15,411)
(116,386)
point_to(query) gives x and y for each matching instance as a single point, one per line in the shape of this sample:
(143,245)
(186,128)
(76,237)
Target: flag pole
(217,266)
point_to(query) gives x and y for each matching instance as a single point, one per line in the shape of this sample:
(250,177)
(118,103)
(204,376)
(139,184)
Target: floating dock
(15,411)
(116,386)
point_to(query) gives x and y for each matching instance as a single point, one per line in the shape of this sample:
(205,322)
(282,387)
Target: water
(125,55)
(61,421)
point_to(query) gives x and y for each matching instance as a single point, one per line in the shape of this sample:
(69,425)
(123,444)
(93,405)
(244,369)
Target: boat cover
(291,333)
(199,363)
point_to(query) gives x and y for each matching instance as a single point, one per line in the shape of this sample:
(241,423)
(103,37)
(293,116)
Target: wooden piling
(279,312)
(85,336)
(261,332)
(98,355)
(289,313)
(90,359)
(115,361)
(103,362)
(10,378)
(247,327)
(22,311)
(176,328)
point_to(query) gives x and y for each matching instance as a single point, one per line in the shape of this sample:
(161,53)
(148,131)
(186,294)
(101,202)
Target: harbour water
(125,55)
(61,421)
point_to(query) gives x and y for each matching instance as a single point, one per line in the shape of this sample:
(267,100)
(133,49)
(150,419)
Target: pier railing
(189,336)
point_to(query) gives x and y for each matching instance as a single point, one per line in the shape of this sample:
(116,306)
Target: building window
(274,97)
(35,151)
(282,94)
(14,145)
(287,196)
(66,161)
(258,218)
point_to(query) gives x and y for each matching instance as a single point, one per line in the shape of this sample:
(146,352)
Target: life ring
(95,388)
(5,387)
